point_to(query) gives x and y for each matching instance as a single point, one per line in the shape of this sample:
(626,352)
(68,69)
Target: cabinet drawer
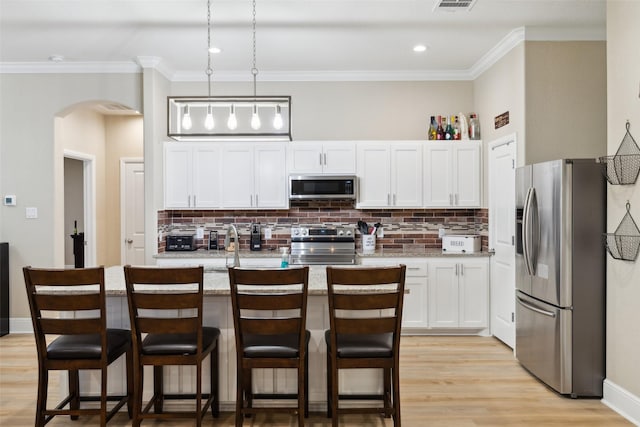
(415,267)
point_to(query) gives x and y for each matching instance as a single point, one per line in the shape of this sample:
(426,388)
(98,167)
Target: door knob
(129,241)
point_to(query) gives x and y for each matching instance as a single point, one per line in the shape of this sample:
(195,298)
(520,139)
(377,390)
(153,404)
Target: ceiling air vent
(454,5)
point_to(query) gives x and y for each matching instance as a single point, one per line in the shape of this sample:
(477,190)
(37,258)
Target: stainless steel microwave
(323,187)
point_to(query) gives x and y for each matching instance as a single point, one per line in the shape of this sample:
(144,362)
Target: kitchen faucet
(227,241)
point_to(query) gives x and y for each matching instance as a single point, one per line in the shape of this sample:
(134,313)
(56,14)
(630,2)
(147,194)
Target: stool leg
(306,384)
(387,392)
(396,395)
(329,392)
(335,387)
(302,390)
(215,403)
(74,391)
(41,405)
(199,393)
(239,394)
(103,397)
(158,389)
(130,383)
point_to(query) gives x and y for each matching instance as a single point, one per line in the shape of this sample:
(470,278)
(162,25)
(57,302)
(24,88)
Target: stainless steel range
(323,245)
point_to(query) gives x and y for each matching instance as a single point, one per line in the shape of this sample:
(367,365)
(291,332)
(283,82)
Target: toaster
(181,242)
(456,243)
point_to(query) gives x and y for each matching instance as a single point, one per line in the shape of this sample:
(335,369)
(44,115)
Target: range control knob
(295,231)
(304,231)
(348,232)
(340,232)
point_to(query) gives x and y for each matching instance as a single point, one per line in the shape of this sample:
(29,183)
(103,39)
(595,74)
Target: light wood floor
(445,381)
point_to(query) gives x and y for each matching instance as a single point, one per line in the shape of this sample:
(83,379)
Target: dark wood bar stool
(269,316)
(166,305)
(365,316)
(71,304)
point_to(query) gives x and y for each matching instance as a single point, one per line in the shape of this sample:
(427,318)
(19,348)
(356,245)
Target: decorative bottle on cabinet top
(432,128)
(474,127)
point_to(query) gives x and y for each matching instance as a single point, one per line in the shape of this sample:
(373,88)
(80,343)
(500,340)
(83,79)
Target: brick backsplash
(404,229)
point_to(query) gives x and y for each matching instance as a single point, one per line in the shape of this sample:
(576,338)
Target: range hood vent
(454,5)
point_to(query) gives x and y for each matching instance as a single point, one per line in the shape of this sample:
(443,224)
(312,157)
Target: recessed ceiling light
(419,48)
(214,49)
(56,58)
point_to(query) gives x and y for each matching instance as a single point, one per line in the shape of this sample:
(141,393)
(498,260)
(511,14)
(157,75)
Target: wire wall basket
(623,167)
(625,242)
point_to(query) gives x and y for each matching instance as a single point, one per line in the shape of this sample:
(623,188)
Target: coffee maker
(256,241)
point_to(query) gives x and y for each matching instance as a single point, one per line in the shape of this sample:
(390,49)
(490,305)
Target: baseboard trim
(20,325)
(622,401)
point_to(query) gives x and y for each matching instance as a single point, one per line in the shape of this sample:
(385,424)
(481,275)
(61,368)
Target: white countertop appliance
(460,243)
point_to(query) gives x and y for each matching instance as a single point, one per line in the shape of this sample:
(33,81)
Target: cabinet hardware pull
(256,200)
(320,158)
(394,199)
(195,204)
(325,159)
(450,199)
(462,269)
(457,269)
(388,199)
(456,199)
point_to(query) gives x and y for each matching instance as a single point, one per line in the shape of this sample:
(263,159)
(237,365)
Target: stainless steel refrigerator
(560,274)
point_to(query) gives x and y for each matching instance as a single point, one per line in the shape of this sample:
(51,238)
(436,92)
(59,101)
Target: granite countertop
(379,253)
(216,281)
(222,254)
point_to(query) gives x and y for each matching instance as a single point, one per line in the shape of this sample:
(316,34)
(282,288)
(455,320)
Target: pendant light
(252,118)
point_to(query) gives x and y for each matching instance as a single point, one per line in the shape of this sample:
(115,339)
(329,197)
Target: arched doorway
(93,138)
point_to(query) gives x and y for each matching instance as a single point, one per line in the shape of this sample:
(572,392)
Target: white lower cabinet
(414,310)
(459,293)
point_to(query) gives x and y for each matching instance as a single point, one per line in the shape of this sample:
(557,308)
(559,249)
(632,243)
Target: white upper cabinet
(389,174)
(452,174)
(191,175)
(336,157)
(253,175)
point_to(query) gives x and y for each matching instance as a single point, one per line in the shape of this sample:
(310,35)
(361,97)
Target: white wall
(623,278)
(498,90)
(565,93)
(32,165)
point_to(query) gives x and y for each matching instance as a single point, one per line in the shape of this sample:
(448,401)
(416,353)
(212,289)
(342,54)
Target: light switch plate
(32,213)
(200,233)
(267,233)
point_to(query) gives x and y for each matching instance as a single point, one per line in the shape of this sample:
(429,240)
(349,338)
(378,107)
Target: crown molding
(69,68)
(504,46)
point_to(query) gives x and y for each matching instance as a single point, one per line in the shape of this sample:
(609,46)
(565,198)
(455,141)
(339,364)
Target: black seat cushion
(356,346)
(88,346)
(281,346)
(169,344)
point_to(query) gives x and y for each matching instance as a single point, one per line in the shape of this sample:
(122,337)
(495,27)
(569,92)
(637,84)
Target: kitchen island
(439,301)
(218,313)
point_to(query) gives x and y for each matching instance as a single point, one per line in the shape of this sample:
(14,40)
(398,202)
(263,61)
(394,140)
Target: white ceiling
(296,39)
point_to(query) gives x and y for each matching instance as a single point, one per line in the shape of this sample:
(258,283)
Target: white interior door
(502,157)
(132,216)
